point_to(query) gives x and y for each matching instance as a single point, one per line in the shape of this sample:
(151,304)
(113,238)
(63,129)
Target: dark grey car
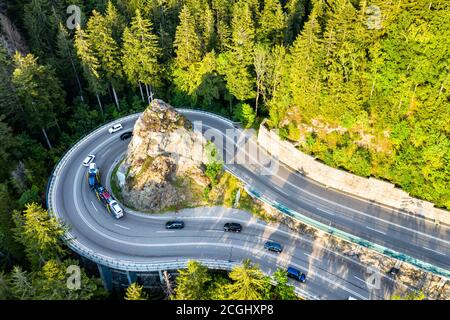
(126,135)
(174,225)
(273,246)
(231,226)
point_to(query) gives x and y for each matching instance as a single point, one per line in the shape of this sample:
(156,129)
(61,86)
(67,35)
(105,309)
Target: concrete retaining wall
(371,189)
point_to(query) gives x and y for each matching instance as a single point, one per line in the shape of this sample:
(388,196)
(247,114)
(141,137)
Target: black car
(394,271)
(230,226)
(126,135)
(273,246)
(174,225)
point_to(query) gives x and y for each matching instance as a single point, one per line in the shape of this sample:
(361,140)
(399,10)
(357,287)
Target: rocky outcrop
(10,38)
(164,164)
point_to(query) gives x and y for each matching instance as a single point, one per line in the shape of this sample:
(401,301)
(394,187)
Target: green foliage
(249,283)
(235,63)
(140,52)
(192,283)
(39,92)
(187,42)
(39,233)
(245,114)
(135,292)
(303,64)
(272,23)
(415,295)
(244,282)
(29,196)
(50,283)
(282,290)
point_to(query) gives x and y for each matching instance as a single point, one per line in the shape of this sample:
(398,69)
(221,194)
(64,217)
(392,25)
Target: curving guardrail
(341,234)
(120,264)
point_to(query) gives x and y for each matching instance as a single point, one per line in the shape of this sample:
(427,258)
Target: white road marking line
(326,211)
(376,230)
(280,190)
(310,256)
(94,206)
(434,251)
(343,206)
(165,231)
(138,244)
(79,211)
(121,226)
(360,279)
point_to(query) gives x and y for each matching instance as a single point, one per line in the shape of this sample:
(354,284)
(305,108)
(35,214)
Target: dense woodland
(361,85)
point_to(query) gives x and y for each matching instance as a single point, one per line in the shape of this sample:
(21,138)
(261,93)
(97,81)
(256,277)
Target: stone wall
(382,192)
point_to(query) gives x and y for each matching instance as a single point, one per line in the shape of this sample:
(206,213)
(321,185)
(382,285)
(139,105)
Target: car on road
(88,160)
(126,135)
(296,274)
(273,246)
(394,271)
(115,128)
(117,210)
(232,226)
(176,224)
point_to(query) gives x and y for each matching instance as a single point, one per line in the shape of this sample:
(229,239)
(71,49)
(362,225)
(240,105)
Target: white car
(116,209)
(115,128)
(88,160)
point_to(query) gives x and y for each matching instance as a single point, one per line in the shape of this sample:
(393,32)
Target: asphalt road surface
(330,275)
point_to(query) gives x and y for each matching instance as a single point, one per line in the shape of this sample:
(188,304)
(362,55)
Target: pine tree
(140,53)
(222,16)
(105,48)
(5,287)
(37,21)
(187,43)
(192,283)
(21,285)
(249,283)
(67,62)
(235,64)
(39,92)
(245,114)
(282,290)
(50,282)
(135,292)
(261,63)
(9,103)
(272,23)
(39,233)
(306,69)
(90,65)
(296,16)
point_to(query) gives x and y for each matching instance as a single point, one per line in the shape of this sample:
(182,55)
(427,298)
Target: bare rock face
(164,162)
